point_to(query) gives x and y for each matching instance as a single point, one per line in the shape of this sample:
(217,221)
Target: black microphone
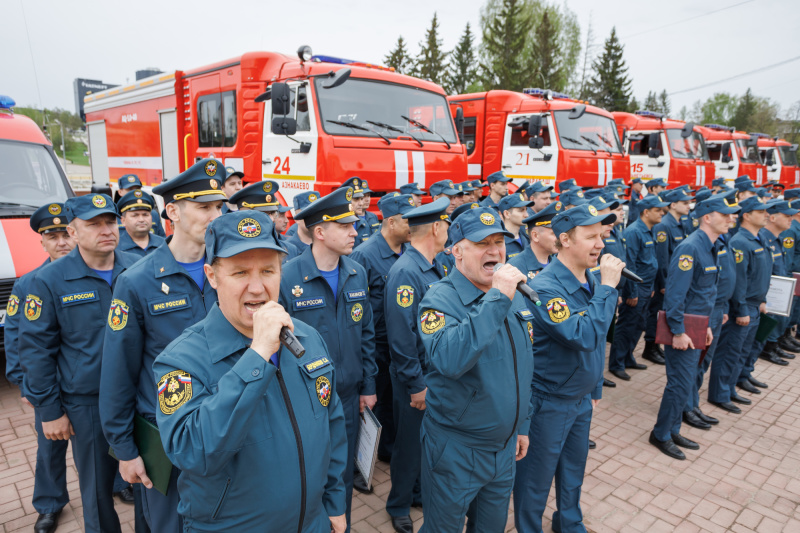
(288,339)
(631,276)
(524,289)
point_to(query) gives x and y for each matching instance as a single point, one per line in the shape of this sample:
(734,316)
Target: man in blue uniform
(257,433)
(498,189)
(478,338)
(718,185)
(513,209)
(618,186)
(415,191)
(357,205)
(297,233)
(131,182)
(636,195)
(325,288)
(370,218)
(753,270)
(61,347)
(572,197)
(470,192)
(569,329)
(539,194)
(656,186)
(543,242)
(444,188)
(791,241)
(261,196)
(408,281)
(134,212)
(163,294)
(231,184)
(691,289)
(640,255)
(50,477)
(377,256)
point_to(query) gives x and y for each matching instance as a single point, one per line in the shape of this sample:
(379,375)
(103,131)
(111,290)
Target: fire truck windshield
(747,154)
(692,147)
(591,132)
(788,156)
(29,175)
(365,108)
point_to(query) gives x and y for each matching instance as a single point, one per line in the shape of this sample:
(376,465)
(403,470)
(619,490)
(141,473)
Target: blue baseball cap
(601,203)
(582,215)
(365,187)
(477,224)
(259,196)
(543,217)
(781,206)
(753,203)
(136,200)
(636,180)
(411,188)
(460,209)
(618,184)
(658,182)
(198,183)
(702,195)
(429,213)
(572,196)
(231,172)
(334,207)
(478,184)
(129,181)
(467,186)
(567,185)
(612,193)
(762,192)
(357,184)
(511,201)
(742,178)
(745,185)
(649,202)
(49,218)
(719,203)
(538,186)
(675,195)
(791,193)
(391,205)
(302,200)
(239,231)
(443,187)
(89,206)
(718,182)
(497,176)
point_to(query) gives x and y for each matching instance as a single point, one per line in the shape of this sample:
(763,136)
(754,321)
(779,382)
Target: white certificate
(780,295)
(369,434)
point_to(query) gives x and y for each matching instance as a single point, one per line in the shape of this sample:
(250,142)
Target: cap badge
(98,201)
(558,206)
(137,193)
(211,168)
(249,228)
(592,211)
(602,200)
(54,209)
(579,194)
(522,197)
(56,220)
(312,197)
(267,186)
(297,291)
(268,198)
(213,184)
(349,194)
(131,179)
(487,219)
(410,201)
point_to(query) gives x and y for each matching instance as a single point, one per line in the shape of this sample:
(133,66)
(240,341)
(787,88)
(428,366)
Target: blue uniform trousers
(733,348)
(456,477)
(407,456)
(795,318)
(627,331)
(656,305)
(50,480)
(715,323)
(559,445)
(384,407)
(756,347)
(747,360)
(139,519)
(96,468)
(352,422)
(681,375)
(774,335)
(161,512)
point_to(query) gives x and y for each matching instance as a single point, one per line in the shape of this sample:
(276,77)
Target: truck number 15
(637,168)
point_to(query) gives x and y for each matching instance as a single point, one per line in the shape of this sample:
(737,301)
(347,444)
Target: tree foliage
(462,70)
(553,45)
(504,26)
(399,58)
(611,85)
(431,60)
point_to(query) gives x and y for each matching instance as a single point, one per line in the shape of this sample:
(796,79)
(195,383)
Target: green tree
(718,109)
(744,111)
(545,60)
(462,70)
(399,58)
(583,88)
(683,114)
(504,27)
(651,102)
(431,59)
(611,85)
(664,105)
(553,45)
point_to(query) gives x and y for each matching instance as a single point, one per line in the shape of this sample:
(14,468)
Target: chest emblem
(530,331)
(297,291)
(558,310)
(532,274)
(788,242)
(118,315)
(695,223)
(405,295)
(661,236)
(33,307)
(431,321)
(174,390)
(165,288)
(323,386)
(738,255)
(357,313)
(13,305)
(685,262)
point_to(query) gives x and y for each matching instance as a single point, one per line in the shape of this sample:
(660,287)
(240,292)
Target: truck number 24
(278,168)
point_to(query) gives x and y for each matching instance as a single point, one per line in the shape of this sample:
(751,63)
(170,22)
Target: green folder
(148,440)
(611,329)
(765,327)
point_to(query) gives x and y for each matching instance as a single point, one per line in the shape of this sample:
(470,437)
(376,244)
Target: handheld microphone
(631,276)
(524,289)
(288,339)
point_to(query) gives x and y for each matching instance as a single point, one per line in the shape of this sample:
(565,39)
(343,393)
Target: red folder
(695,326)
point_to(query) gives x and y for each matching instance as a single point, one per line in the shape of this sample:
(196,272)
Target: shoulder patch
(788,242)
(357,312)
(13,305)
(324,392)
(118,315)
(695,223)
(558,310)
(315,365)
(431,321)
(33,307)
(685,262)
(738,255)
(174,390)
(405,295)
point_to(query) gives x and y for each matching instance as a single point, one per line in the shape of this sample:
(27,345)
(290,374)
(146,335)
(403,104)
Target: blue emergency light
(761,135)
(6,102)
(535,91)
(646,113)
(331,59)
(719,127)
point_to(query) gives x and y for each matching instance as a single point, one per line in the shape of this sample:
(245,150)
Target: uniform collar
(164,263)
(464,287)
(308,268)
(418,258)
(767,235)
(126,242)
(565,275)
(76,268)
(707,244)
(383,246)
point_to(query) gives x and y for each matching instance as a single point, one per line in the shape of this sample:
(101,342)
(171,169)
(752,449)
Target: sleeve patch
(118,315)
(661,236)
(33,307)
(431,321)
(174,390)
(685,262)
(558,310)
(738,255)
(788,242)
(13,305)
(405,295)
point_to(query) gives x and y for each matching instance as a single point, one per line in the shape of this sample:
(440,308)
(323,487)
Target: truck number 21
(278,168)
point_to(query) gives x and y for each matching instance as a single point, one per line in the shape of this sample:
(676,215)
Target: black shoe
(385,458)
(683,442)
(125,495)
(691,418)
(667,447)
(608,383)
(773,358)
(360,484)
(728,406)
(704,417)
(782,353)
(747,386)
(652,354)
(637,366)
(592,444)
(47,523)
(621,374)
(417,504)
(738,399)
(759,384)
(660,350)
(786,343)
(403,524)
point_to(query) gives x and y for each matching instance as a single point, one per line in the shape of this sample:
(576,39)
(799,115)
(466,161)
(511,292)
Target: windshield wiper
(605,141)
(15,204)
(680,152)
(348,125)
(387,126)
(573,141)
(425,128)
(591,143)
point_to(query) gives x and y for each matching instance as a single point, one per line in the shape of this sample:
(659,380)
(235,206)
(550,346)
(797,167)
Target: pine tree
(742,118)
(431,60)
(651,102)
(545,61)
(462,71)
(399,58)
(504,37)
(663,103)
(611,86)
(588,49)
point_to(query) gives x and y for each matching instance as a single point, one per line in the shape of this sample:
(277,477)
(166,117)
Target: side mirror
(652,143)
(770,158)
(535,142)
(577,111)
(460,124)
(687,130)
(284,125)
(726,150)
(337,79)
(752,141)
(534,127)
(266,95)
(281,98)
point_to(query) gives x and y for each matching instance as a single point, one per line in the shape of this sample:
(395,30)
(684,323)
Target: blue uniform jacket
(614,245)
(407,283)
(127,245)
(570,331)
(61,338)
(372,221)
(295,240)
(488,202)
(776,251)
(692,281)
(753,270)
(633,210)
(527,263)
(157,227)
(363,230)
(445,261)
(291,250)
(479,355)
(640,258)
(377,258)
(514,247)
(789,241)
(344,321)
(689,224)
(291,231)
(259,449)
(160,300)
(669,233)
(726,280)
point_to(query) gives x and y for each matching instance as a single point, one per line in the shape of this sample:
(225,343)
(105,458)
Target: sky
(684,45)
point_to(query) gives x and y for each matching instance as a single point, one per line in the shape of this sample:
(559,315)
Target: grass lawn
(75,155)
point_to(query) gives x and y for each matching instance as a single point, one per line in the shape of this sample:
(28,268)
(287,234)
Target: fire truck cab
(539,135)
(734,153)
(660,147)
(780,157)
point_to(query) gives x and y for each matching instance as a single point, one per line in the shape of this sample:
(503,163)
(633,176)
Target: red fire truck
(325,120)
(780,157)
(660,147)
(540,135)
(31,177)
(734,153)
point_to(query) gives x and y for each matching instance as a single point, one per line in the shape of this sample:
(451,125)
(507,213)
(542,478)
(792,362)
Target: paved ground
(746,477)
